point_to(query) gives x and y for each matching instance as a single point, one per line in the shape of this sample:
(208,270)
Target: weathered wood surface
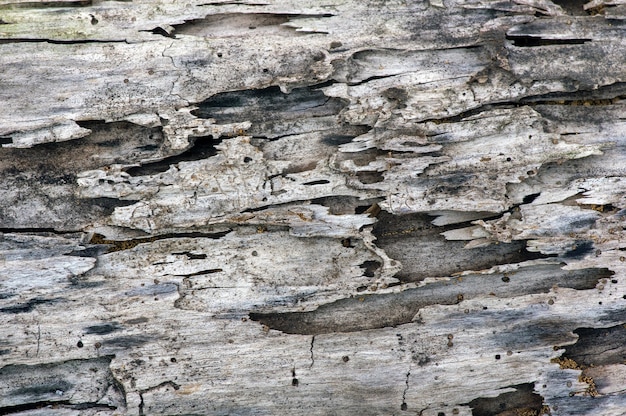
(284,207)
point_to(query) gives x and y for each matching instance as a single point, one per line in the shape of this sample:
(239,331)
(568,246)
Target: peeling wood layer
(242,207)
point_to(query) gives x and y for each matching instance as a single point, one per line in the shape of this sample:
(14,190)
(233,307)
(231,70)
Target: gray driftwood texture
(342,207)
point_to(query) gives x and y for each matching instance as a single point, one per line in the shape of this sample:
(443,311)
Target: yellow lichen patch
(120,245)
(545,410)
(566,363)
(607,208)
(591,389)
(599,208)
(526,411)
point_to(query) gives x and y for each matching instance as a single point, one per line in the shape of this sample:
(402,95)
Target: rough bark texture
(312,208)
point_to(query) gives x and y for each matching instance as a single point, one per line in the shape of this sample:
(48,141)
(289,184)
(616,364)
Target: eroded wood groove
(274,207)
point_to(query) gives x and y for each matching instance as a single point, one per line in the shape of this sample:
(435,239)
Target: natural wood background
(312,208)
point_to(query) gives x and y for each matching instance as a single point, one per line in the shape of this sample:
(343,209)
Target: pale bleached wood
(275,207)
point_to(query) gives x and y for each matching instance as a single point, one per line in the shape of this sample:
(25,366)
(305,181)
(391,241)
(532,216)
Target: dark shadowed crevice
(191,256)
(370,79)
(28,306)
(531,41)
(48,404)
(598,346)
(603,95)
(82,283)
(369,311)
(369,267)
(263,107)
(317,182)
(522,401)
(160,31)
(365,157)
(258,209)
(46,175)
(109,204)
(413,240)
(94,252)
(30,230)
(60,42)
(7,410)
(367,178)
(46,4)
(530,198)
(237,24)
(572,7)
(202,148)
(117,245)
(127,341)
(345,204)
(337,139)
(103,329)
(32,387)
(117,142)
(201,272)
(579,249)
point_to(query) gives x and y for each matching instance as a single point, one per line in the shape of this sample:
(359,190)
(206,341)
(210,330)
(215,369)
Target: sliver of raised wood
(270,207)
